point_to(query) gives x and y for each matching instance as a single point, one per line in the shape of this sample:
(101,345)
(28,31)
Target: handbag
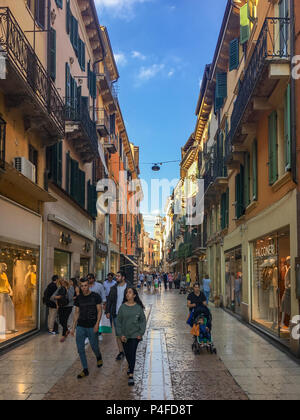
(105,325)
(190,318)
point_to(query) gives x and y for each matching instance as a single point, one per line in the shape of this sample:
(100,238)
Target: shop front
(233,280)
(20,242)
(271,283)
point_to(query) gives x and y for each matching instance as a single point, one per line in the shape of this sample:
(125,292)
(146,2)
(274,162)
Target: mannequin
(273,295)
(286,298)
(7,309)
(31,282)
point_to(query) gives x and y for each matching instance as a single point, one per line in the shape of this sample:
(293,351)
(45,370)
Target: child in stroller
(201,330)
(182,286)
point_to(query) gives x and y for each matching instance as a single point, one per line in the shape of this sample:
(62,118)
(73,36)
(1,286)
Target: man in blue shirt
(109,283)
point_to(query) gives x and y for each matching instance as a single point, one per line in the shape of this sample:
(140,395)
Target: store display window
(84,267)
(100,268)
(271,283)
(62,264)
(233,280)
(19,290)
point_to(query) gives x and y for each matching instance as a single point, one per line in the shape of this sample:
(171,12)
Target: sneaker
(130,381)
(128,372)
(99,363)
(83,374)
(120,356)
(86,341)
(63,339)
(100,337)
(52,332)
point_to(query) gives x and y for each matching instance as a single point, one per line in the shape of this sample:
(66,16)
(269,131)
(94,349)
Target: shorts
(156,286)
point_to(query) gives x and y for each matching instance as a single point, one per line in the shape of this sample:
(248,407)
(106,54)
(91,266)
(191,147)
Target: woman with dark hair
(130,327)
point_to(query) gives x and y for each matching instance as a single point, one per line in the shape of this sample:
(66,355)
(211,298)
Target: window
(52,54)
(234,54)
(239,194)
(38,9)
(273,148)
(244,24)
(33,158)
(54,163)
(59,3)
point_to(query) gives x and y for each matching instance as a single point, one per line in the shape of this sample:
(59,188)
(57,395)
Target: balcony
(102,119)
(27,85)
(215,178)
(108,91)
(111,143)
(269,63)
(82,131)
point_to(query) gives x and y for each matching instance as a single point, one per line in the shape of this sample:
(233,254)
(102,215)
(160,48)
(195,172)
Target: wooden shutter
(221,85)
(273,152)
(68,91)
(287,129)
(247,181)
(81,188)
(218,103)
(254,170)
(75,35)
(227,208)
(234,54)
(223,211)
(239,193)
(68,172)
(53,54)
(40,12)
(59,3)
(89,76)
(81,54)
(244,24)
(68,17)
(59,164)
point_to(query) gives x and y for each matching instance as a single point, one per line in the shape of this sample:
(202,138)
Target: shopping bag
(105,325)
(190,318)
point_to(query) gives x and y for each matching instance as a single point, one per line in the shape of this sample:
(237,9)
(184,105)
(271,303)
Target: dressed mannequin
(31,283)
(273,295)
(286,298)
(7,309)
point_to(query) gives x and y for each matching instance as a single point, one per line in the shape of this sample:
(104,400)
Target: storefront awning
(131,261)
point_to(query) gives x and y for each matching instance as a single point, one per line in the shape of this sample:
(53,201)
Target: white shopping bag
(105,325)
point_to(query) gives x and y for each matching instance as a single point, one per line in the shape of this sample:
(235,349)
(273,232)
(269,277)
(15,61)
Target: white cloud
(120,8)
(137,54)
(120,58)
(147,73)
(171,73)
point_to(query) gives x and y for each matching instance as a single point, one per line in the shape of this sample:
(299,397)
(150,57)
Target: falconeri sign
(266,251)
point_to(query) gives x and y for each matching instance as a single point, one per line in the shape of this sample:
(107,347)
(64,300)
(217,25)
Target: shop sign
(101,248)
(266,251)
(87,247)
(65,238)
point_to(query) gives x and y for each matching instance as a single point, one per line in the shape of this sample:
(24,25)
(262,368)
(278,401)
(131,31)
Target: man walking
(109,283)
(114,302)
(51,305)
(96,287)
(87,317)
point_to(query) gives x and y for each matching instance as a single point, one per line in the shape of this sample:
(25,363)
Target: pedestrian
(170,281)
(64,298)
(131,326)
(155,284)
(165,278)
(51,305)
(113,304)
(206,287)
(86,323)
(109,283)
(188,279)
(149,281)
(159,280)
(196,298)
(237,288)
(178,280)
(97,287)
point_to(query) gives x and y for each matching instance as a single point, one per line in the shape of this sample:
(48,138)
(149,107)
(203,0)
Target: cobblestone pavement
(246,365)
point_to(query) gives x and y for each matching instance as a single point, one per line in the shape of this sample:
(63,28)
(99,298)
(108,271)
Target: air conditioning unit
(25,167)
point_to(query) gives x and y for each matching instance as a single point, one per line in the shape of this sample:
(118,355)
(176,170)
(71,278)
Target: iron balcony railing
(21,55)
(105,75)
(79,113)
(216,169)
(102,119)
(273,45)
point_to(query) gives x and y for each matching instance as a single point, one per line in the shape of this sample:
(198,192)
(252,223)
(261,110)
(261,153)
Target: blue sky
(161,48)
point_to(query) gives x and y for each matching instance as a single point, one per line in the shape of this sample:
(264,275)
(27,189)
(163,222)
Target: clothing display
(7,309)
(4,284)
(286,298)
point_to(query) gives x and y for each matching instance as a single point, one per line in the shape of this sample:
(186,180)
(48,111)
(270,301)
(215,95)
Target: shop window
(19,290)
(62,264)
(271,283)
(84,267)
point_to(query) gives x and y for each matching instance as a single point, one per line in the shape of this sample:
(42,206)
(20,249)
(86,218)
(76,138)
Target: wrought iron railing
(273,44)
(102,118)
(105,74)
(219,168)
(23,58)
(80,114)
(2,142)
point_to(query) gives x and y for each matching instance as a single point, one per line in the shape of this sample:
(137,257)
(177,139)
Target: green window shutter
(234,54)
(81,54)
(59,3)
(273,151)
(68,17)
(244,24)
(287,129)
(94,204)
(254,171)
(54,166)
(79,51)
(93,90)
(68,90)
(218,103)
(221,85)
(68,172)
(247,181)
(74,179)
(239,193)
(59,163)
(89,76)
(75,36)
(53,54)
(227,208)
(223,211)
(81,188)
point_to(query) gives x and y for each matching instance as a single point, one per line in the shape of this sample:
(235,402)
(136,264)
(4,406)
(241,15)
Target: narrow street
(246,366)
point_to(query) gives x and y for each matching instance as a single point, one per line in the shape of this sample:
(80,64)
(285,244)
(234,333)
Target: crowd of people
(82,306)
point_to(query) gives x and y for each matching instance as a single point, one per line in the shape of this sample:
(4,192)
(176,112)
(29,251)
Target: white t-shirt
(120,290)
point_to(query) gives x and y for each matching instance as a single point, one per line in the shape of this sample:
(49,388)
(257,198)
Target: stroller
(201,331)
(183,287)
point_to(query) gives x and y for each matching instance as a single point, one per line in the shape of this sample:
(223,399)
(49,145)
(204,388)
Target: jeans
(207,295)
(64,314)
(81,334)
(130,348)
